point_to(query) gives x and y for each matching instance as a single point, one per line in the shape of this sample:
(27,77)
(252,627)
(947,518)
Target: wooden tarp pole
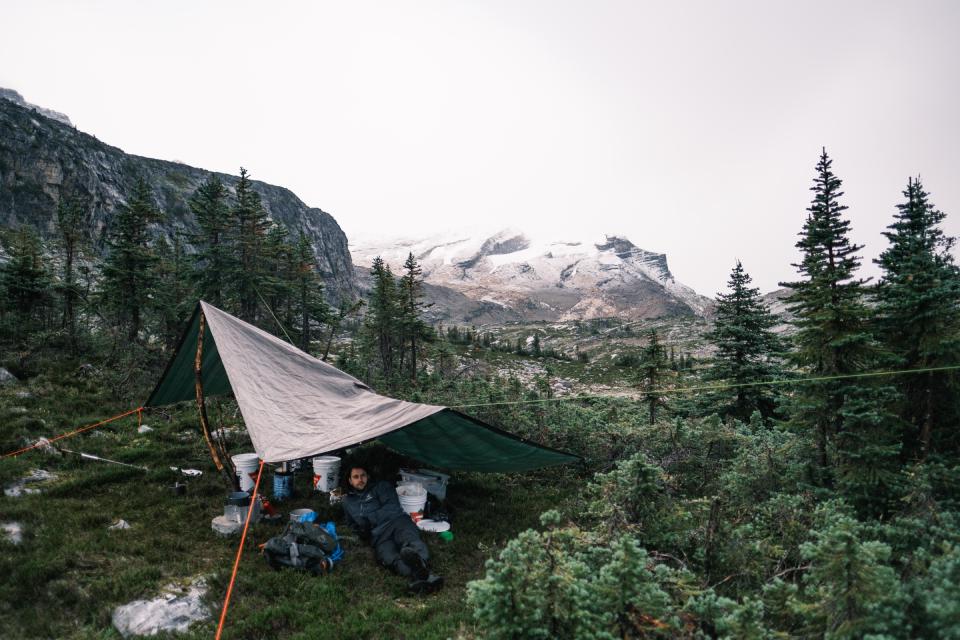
(228,475)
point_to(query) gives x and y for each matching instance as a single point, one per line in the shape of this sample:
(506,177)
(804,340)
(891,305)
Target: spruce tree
(25,284)
(174,296)
(411,293)
(129,270)
(850,590)
(653,367)
(748,350)
(71,232)
(310,307)
(832,339)
(279,280)
(382,323)
(248,231)
(214,256)
(918,317)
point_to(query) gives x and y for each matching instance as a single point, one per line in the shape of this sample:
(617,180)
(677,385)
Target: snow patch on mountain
(543,278)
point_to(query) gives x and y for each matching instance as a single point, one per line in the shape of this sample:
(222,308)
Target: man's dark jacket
(370,511)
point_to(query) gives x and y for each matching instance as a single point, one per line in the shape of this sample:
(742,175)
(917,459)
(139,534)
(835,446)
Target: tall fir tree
(918,318)
(310,308)
(411,303)
(214,256)
(174,296)
(25,284)
(850,426)
(748,350)
(653,369)
(249,225)
(72,238)
(383,318)
(129,269)
(278,284)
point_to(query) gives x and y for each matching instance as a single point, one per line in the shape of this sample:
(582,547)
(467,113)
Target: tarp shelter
(296,406)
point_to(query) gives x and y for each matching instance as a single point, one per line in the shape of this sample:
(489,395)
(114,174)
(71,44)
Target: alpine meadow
(607,452)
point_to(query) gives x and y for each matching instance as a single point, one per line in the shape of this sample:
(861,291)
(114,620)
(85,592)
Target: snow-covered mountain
(513,276)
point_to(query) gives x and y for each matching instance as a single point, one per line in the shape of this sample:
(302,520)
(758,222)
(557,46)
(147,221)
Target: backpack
(304,545)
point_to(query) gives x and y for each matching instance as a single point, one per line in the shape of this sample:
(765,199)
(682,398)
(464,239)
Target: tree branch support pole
(228,475)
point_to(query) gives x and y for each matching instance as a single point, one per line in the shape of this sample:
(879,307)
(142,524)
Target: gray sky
(691,128)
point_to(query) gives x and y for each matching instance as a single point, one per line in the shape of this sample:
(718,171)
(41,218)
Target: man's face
(358,478)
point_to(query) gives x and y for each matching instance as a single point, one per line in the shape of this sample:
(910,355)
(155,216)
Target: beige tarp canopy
(295,405)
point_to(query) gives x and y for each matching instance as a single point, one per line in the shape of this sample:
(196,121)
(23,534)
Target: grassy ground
(71,571)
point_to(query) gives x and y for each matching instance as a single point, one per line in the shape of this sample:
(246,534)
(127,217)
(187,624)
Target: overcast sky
(691,128)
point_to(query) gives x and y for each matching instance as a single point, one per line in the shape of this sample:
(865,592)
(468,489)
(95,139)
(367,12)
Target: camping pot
(179,489)
(239,499)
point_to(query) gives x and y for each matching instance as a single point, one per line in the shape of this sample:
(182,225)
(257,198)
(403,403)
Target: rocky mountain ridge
(510,275)
(42,160)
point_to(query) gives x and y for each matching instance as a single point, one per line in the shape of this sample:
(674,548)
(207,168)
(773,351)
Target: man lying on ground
(374,512)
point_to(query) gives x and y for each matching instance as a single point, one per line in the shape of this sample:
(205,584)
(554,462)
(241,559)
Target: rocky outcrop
(43,160)
(16,98)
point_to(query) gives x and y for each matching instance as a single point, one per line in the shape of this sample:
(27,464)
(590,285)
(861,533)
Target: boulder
(6,377)
(13,531)
(173,611)
(225,526)
(20,487)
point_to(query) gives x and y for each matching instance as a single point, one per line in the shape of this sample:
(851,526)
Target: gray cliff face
(42,160)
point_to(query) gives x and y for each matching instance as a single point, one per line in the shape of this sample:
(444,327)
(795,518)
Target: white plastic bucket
(246,465)
(412,496)
(326,473)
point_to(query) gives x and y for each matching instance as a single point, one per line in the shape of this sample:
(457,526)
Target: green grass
(71,571)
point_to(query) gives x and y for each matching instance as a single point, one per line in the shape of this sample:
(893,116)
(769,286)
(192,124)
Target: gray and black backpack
(302,545)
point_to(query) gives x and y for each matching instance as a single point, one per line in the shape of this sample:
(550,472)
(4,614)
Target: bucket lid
(327,459)
(244,457)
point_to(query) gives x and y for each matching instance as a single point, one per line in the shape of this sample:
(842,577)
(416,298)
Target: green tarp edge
(452,440)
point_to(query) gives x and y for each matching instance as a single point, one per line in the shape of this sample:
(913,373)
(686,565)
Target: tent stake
(231,478)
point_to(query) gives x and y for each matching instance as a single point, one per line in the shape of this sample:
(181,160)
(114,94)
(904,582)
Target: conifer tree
(174,297)
(279,278)
(653,367)
(310,307)
(918,317)
(71,214)
(25,283)
(249,226)
(850,590)
(213,258)
(128,272)
(832,339)
(411,293)
(383,316)
(748,350)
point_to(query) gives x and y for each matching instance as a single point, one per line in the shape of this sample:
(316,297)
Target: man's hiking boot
(413,560)
(422,587)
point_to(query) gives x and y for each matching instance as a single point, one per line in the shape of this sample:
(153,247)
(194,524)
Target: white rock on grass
(13,531)
(174,611)
(20,488)
(225,526)
(144,429)
(119,524)
(6,377)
